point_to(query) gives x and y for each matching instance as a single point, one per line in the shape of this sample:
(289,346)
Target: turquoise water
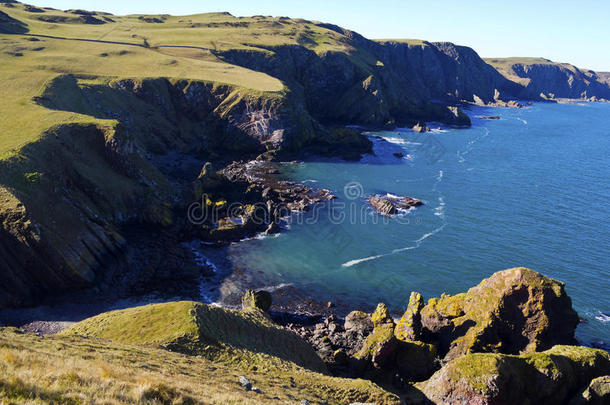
(531,189)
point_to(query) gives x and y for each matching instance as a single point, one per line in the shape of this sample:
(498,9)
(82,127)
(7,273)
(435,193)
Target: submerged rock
(514,311)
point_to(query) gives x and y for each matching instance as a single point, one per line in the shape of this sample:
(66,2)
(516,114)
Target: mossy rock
(549,377)
(381,316)
(416,361)
(256,299)
(409,326)
(379,347)
(513,311)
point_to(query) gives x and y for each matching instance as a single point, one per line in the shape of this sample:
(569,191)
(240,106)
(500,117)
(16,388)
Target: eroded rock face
(514,311)
(550,377)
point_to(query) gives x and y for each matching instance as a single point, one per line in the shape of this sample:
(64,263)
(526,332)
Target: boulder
(358,321)
(416,361)
(514,311)
(256,299)
(549,377)
(409,326)
(382,316)
(379,347)
(596,393)
(420,127)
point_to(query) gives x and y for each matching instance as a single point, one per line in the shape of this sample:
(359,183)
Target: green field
(44,43)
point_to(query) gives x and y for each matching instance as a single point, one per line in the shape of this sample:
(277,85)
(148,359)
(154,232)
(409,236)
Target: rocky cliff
(543,79)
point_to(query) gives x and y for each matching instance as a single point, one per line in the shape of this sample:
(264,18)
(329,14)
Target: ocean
(529,189)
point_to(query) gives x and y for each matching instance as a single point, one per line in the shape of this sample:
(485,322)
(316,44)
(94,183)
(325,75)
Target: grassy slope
(121,359)
(28,63)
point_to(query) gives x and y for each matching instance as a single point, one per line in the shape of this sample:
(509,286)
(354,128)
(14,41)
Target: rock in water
(409,326)
(389,205)
(550,377)
(420,127)
(514,311)
(256,299)
(383,206)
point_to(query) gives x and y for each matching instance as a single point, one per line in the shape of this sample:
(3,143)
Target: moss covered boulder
(514,311)
(379,348)
(256,299)
(549,377)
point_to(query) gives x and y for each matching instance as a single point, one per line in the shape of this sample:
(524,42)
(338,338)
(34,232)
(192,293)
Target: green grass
(174,353)
(55,42)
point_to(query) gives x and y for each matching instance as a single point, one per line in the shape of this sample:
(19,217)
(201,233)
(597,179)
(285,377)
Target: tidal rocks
(390,205)
(420,127)
(514,311)
(256,299)
(549,377)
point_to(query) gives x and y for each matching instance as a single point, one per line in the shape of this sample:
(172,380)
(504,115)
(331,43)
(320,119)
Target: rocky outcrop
(550,377)
(514,311)
(390,205)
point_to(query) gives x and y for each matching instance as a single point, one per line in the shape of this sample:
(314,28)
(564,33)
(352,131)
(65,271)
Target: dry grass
(71,370)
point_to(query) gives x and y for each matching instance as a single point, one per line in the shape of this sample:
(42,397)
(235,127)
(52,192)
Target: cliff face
(381,83)
(544,79)
(79,205)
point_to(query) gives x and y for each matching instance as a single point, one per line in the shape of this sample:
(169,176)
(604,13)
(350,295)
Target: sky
(571,31)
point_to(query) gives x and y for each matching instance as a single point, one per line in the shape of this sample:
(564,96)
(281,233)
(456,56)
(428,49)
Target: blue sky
(562,30)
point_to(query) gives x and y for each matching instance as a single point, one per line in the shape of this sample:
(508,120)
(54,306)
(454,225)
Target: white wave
(400,141)
(390,195)
(309,181)
(440,210)
(417,244)
(522,120)
(357,261)
(602,317)
(273,288)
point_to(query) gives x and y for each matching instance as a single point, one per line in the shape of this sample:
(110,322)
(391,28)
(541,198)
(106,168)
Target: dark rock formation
(389,205)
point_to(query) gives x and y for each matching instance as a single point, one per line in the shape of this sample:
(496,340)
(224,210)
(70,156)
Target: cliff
(544,79)
(114,125)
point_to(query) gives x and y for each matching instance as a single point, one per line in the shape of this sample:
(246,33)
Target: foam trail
(522,120)
(366,259)
(602,317)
